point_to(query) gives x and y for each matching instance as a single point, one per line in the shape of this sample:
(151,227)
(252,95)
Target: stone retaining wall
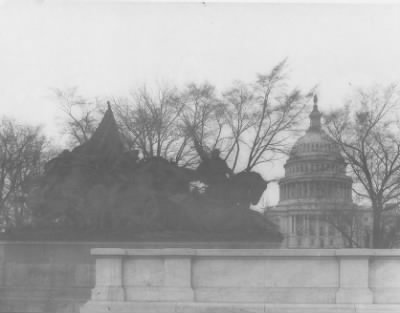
(252,280)
(57,277)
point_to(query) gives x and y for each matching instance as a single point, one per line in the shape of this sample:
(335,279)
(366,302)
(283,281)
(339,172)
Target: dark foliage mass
(99,187)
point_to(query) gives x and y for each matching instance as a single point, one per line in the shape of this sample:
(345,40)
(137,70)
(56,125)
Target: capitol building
(315,209)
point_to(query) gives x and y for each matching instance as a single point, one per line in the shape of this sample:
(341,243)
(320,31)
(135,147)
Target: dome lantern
(315,117)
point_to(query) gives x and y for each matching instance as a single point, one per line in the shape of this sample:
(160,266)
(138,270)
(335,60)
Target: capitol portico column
(306,235)
(294,221)
(292,232)
(349,191)
(327,235)
(311,189)
(288,230)
(294,224)
(315,189)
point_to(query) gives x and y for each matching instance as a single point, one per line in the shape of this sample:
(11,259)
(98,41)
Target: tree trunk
(377,228)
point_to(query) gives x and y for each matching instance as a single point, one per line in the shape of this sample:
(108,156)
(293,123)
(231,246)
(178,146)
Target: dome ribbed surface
(315,143)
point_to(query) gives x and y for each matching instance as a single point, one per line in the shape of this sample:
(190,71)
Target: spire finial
(108,105)
(315,100)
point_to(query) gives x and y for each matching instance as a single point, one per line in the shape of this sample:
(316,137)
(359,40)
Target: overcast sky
(106,49)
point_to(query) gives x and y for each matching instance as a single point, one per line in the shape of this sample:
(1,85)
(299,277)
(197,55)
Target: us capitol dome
(315,192)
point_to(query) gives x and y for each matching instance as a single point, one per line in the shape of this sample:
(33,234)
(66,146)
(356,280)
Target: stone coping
(143,244)
(179,307)
(246,252)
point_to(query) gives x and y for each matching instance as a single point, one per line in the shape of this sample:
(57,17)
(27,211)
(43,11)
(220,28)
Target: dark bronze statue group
(100,187)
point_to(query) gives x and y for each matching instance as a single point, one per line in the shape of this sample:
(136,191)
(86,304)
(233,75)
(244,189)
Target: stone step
(172,307)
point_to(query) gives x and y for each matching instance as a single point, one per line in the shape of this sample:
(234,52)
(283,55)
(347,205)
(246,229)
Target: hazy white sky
(106,49)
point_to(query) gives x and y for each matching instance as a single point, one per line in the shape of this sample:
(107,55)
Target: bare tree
(250,123)
(21,160)
(367,131)
(239,100)
(80,115)
(276,113)
(149,121)
(203,118)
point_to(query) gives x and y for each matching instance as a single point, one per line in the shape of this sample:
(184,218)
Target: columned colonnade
(310,230)
(315,189)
